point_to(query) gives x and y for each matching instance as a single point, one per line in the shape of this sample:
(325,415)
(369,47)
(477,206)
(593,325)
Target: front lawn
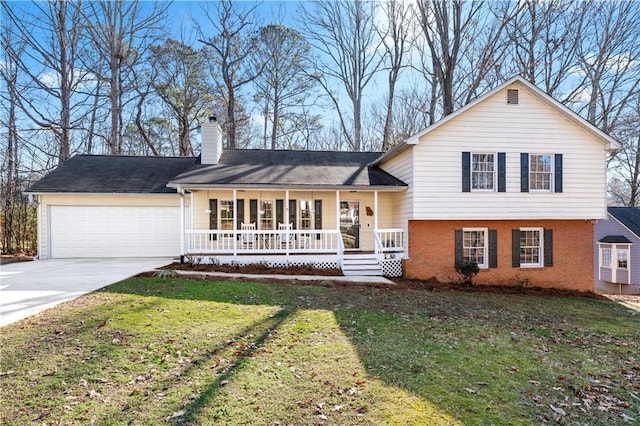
(165,350)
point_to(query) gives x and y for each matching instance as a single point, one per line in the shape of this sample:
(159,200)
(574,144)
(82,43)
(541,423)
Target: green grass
(152,350)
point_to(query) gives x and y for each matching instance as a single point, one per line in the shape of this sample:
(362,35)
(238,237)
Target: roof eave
(284,187)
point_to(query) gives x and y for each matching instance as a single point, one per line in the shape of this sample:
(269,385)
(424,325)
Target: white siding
(401,166)
(494,126)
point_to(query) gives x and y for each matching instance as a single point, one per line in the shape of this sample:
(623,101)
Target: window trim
(551,172)
(261,213)
(541,248)
(602,257)
(221,207)
(626,252)
(494,172)
(485,231)
(301,210)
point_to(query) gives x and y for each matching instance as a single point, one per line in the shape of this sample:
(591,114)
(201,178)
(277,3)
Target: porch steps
(361,264)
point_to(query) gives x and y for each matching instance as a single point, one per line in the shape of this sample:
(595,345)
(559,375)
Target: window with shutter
(513,97)
(472,245)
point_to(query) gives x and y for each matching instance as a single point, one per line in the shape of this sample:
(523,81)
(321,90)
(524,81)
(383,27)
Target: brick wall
(432,253)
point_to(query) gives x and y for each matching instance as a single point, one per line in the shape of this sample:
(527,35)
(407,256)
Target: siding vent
(512,97)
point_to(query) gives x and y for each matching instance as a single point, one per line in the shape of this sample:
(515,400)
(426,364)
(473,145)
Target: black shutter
(515,248)
(213,216)
(524,172)
(466,172)
(293,213)
(459,251)
(502,172)
(493,248)
(317,218)
(239,213)
(253,211)
(548,247)
(557,163)
(279,211)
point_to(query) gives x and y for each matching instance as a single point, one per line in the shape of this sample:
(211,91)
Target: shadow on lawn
(358,312)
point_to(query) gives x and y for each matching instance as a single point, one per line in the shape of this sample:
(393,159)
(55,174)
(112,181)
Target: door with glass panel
(350,224)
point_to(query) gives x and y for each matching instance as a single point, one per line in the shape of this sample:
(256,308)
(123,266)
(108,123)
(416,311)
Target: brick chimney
(211,141)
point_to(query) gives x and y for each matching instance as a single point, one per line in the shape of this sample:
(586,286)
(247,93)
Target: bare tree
(52,34)
(464,45)
(397,38)
(544,39)
(17,219)
(284,85)
(121,33)
(343,33)
(609,56)
(624,182)
(231,48)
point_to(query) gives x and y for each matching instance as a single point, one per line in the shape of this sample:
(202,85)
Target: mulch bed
(324,279)
(255,268)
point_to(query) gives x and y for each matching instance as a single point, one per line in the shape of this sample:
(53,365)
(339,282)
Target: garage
(113,231)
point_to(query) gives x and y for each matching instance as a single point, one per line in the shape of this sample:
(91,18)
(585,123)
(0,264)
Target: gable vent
(512,97)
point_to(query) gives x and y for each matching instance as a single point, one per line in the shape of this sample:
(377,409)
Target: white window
(606,257)
(540,172)
(306,215)
(226,215)
(531,247)
(623,258)
(475,246)
(266,214)
(483,172)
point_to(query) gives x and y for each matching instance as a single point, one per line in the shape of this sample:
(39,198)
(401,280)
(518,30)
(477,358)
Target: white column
(375,210)
(182,224)
(286,220)
(338,211)
(235,222)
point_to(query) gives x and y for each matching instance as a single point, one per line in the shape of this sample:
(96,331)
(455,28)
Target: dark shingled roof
(614,239)
(113,174)
(291,168)
(628,216)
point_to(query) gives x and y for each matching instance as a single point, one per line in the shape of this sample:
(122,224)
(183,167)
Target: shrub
(468,270)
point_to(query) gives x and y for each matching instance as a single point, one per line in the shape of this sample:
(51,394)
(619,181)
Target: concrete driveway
(27,288)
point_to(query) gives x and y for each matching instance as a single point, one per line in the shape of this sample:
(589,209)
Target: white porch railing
(389,241)
(262,242)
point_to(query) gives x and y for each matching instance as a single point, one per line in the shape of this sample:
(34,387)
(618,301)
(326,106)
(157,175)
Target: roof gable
(519,82)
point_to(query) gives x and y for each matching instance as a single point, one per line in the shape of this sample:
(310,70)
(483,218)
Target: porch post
(375,211)
(235,222)
(286,221)
(338,221)
(182,224)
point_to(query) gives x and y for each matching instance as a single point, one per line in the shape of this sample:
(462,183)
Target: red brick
(432,253)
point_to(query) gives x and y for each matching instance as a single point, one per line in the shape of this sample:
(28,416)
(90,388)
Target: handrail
(389,240)
(204,241)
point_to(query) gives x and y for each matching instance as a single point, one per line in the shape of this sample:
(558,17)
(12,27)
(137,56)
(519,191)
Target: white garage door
(114,231)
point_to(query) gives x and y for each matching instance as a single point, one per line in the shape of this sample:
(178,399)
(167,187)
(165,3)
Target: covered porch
(353,230)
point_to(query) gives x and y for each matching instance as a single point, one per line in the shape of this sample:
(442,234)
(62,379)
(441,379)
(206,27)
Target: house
(617,251)
(513,181)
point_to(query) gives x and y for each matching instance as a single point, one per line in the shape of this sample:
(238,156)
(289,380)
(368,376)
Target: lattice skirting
(392,267)
(319,262)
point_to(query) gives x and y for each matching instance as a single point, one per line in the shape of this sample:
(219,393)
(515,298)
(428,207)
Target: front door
(350,224)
